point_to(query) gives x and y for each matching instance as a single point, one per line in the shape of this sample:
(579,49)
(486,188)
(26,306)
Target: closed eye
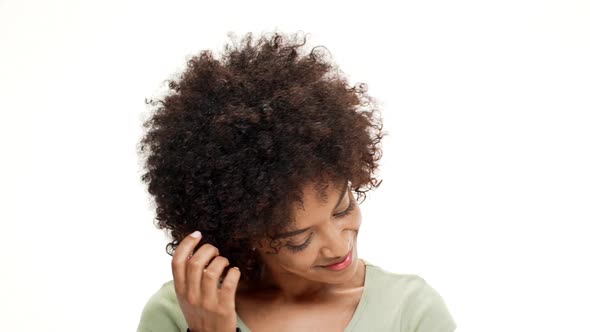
(350,207)
(297,248)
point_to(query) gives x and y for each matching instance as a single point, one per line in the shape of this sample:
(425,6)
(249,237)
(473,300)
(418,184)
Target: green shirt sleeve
(425,310)
(162,313)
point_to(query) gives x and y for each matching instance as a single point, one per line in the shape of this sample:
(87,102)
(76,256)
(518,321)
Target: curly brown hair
(228,150)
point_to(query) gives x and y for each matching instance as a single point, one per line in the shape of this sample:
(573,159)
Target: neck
(293,289)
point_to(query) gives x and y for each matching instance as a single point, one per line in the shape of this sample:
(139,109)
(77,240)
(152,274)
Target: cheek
(300,261)
(356,219)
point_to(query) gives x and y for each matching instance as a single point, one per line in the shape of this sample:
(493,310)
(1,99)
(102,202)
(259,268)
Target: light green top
(389,302)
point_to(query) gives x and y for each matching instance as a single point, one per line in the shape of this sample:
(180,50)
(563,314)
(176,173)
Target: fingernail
(196,234)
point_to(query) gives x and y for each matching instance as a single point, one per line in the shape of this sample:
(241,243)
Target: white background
(486,166)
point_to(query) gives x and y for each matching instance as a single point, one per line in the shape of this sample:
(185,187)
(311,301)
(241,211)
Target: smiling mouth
(343,259)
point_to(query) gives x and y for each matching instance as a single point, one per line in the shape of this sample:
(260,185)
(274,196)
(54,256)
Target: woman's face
(324,233)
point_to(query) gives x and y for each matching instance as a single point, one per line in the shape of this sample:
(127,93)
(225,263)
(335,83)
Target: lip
(341,265)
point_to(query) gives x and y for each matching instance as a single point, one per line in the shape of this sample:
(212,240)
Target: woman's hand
(206,307)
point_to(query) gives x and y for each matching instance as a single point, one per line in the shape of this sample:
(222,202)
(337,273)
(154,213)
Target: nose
(337,243)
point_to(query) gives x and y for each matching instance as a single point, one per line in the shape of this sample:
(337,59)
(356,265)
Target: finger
(209,285)
(196,265)
(227,293)
(180,260)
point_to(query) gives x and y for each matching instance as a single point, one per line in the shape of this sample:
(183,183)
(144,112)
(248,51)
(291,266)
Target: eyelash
(306,243)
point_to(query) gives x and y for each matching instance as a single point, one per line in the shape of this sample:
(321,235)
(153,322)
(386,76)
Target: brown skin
(296,276)
(205,306)
(294,284)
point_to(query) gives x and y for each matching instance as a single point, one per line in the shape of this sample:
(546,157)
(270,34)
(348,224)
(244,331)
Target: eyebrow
(299,231)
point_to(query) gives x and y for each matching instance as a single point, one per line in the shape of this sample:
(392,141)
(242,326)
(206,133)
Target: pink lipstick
(342,265)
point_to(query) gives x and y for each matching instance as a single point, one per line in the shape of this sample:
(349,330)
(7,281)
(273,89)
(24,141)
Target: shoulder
(408,296)
(162,312)
(383,283)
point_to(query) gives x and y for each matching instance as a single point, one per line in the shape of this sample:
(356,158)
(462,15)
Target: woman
(256,162)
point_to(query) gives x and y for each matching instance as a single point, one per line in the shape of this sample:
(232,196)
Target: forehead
(316,201)
(319,196)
